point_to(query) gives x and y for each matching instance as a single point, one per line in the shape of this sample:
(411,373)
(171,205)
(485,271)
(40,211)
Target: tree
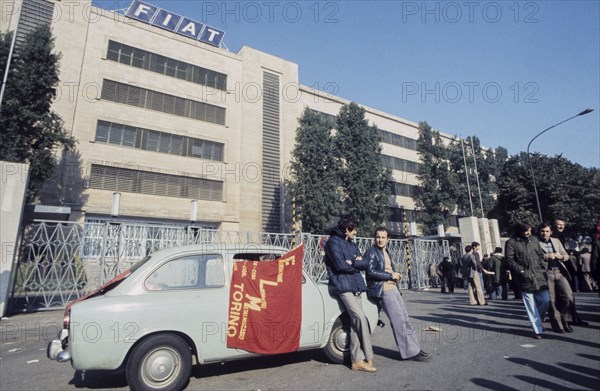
(515,200)
(365,182)
(31,132)
(314,180)
(487,170)
(438,189)
(565,189)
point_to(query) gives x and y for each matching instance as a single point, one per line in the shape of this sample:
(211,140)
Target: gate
(62,261)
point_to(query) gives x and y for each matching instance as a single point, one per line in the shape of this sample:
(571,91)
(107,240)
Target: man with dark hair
(562,302)
(447,269)
(471,272)
(525,258)
(344,263)
(382,288)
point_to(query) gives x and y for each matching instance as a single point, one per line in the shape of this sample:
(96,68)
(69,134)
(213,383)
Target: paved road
(476,348)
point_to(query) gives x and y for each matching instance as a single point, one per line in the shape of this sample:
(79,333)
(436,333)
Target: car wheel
(162,362)
(337,349)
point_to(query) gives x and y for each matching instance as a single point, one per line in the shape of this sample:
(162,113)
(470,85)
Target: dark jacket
(376,274)
(496,263)
(525,258)
(469,265)
(343,277)
(447,269)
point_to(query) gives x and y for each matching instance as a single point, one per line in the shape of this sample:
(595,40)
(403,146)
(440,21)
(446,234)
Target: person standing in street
(562,302)
(344,263)
(589,285)
(525,258)
(448,274)
(496,287)
(382,288)
(473,276)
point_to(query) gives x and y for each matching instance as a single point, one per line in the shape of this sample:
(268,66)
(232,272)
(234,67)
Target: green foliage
(341,174)
(439,188)
(565,189)
(488,165)
(30,130)
(515,195)
(365,182)
(314,180)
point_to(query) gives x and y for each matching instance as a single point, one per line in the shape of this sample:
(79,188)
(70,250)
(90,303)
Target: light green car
(173,304)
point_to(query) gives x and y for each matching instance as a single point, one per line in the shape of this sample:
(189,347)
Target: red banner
(265,304)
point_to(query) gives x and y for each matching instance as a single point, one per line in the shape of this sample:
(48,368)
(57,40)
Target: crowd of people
(537,268)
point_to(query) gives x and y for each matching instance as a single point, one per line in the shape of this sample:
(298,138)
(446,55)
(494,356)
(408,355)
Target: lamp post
(537,198)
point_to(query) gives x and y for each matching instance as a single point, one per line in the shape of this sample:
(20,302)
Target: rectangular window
(152,140)
(394,163)
(146,182)
(154,62)
(396,139)
(158,101)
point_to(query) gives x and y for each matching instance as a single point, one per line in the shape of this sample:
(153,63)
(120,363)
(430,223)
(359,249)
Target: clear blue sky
(500,70)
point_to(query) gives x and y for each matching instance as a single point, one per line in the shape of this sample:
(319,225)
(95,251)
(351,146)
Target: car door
(312,313)
(190,294)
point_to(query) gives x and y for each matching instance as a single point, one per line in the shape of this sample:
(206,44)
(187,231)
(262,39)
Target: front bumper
(58,348)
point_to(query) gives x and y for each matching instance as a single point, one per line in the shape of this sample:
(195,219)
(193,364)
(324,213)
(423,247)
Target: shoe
(537,336)
(567,328)
(421,357)
(369,363)
(362,366)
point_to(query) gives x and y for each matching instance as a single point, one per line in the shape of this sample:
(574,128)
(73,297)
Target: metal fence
(62,261)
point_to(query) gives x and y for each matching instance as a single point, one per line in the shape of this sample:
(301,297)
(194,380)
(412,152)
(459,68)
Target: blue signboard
(162,18)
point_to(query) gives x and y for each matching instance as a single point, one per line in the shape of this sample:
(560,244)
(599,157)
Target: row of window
(396,139)
(386,137)
(143,59)
(153,183)
(396,163)
(153,100)
(402,189)
(152,140)
(401,215)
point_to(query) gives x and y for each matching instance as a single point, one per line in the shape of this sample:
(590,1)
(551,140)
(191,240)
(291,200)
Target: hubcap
(161,365)
(340,339)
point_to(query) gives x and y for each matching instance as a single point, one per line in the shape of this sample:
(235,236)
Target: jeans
(536,305)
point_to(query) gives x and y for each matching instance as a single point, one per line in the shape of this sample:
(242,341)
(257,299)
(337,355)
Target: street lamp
(537,198)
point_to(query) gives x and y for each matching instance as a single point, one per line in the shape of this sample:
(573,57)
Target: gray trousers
(360,336)
(562,301)
(404,333)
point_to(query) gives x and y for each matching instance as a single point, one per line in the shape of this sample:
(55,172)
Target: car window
(191,272)
(256,256)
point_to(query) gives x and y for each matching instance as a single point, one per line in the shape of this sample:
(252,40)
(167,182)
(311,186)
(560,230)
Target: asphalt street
(474,348)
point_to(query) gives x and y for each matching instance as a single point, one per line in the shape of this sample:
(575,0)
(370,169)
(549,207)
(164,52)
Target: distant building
(165,119)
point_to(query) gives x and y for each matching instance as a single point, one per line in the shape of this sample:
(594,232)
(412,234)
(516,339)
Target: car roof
(221,247)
